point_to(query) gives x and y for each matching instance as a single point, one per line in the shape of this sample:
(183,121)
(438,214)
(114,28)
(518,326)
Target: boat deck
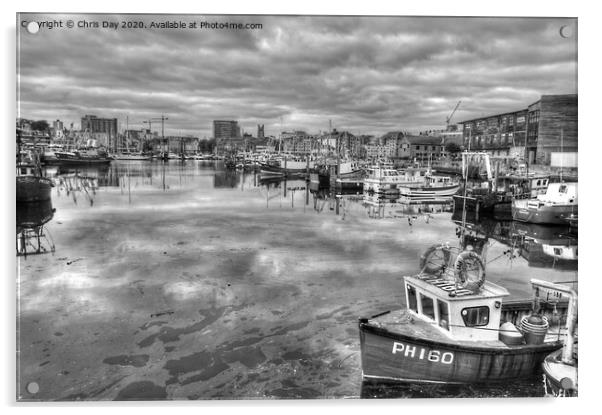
(402,322)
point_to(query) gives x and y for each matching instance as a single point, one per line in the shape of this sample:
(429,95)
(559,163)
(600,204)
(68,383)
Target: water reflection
(225,237)
(32,236)
(543,246)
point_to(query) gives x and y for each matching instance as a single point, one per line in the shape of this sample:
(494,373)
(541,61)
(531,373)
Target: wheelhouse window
(443,309)
(428,306)
(475,316)
(411,296)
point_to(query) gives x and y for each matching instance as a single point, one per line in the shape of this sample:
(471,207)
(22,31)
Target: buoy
(466,279)
(510,335)
(435,258)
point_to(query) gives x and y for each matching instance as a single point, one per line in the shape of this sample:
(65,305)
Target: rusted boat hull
(397,357)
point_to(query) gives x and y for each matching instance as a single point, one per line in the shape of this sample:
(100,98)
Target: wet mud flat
(173,287)
(203,303)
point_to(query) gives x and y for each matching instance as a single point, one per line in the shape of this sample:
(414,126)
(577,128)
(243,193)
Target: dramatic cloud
(366,74)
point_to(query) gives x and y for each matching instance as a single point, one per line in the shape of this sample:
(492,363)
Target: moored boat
(132,156)
(434,186)
(556,206)
(285,167)
(82,156)
(31,185)
(383,180)
(456,329)
(560,367)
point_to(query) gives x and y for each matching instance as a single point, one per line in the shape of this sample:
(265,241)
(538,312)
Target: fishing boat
(285,167)
(346,171)
(456,328)
(434,186)
(560,366)
(31,185)
(83,156)
(383,180)
(132,156)
(495,195)
(556,206)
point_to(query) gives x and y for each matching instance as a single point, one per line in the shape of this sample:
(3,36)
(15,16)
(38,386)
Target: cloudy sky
(368,75)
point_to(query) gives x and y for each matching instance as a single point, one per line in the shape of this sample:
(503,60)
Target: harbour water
(182,280)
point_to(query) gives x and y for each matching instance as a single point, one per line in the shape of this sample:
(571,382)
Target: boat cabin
(438,181)
(560,194)
(26,170)
(459,313)
(523,185)
(382,173)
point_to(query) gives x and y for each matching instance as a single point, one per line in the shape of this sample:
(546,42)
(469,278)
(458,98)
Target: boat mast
(561,152)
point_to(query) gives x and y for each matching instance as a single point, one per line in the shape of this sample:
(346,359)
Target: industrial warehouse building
(534,134)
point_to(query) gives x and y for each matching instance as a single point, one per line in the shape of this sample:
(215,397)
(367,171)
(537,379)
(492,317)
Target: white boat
(556,206)
(433,186)
(389,180)
(560,368)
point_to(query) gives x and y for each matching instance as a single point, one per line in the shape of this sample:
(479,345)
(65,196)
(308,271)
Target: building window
(475,316)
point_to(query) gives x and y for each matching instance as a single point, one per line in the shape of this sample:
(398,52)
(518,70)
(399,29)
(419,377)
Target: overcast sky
(369,75)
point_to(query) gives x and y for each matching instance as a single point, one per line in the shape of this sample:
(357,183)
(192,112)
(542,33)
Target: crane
(448,119)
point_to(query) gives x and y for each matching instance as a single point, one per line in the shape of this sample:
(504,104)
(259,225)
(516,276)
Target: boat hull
(266,170)
(398,357)
(68,160)
(555,214)
(426,191)
(132,158)
(33,188)
(560,378)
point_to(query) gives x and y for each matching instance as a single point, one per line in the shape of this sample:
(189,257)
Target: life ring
(435,259)
(469,279)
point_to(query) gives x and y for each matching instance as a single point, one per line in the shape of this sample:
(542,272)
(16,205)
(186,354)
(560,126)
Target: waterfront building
(182,144)
(400,145)
(532,134)
(425,148)
(260,131)
(58,130)
(225,129)
(104,130)
(263,145)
